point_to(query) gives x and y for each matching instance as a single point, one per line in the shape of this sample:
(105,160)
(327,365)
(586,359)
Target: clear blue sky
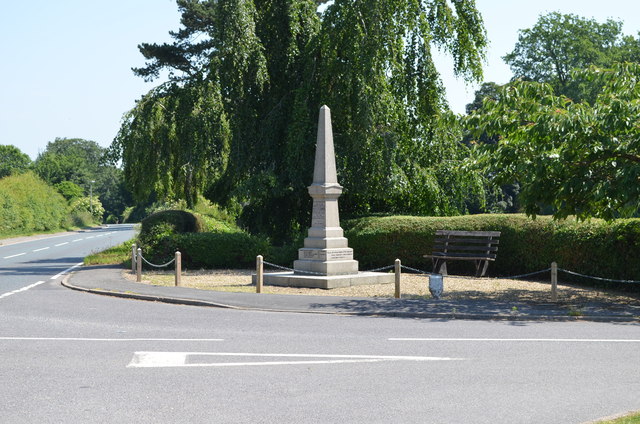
(66,64)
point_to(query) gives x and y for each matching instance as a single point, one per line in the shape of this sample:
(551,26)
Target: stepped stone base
(289,279)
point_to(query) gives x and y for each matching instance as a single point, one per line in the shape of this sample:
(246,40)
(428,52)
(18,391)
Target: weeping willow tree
(236,121)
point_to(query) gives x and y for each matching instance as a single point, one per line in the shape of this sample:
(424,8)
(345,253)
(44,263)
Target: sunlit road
(67,356)
(27,263)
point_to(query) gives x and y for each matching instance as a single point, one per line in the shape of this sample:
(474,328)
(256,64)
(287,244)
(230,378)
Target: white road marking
(90,237)
(14,256)
(76,240)
(40,250)
(417,339)
(21,290)
(66,270)
(179,359)
(61,244)
(93,339)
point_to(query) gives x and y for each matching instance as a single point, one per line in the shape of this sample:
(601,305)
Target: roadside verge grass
(118,255)
(633,418)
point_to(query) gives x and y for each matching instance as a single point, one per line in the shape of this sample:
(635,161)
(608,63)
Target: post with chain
(133,257)
(554,281)
(178,267)
(139,265)
(398,268)
(259,268)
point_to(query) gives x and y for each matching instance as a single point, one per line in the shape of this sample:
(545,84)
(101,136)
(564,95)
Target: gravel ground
(412,286)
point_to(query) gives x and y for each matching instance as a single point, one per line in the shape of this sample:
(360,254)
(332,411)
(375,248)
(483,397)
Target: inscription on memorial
(319,213)
(327,255)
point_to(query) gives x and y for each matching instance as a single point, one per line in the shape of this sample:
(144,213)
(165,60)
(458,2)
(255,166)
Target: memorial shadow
(515,313)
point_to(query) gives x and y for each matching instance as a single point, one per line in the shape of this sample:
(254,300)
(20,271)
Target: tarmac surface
(108,280)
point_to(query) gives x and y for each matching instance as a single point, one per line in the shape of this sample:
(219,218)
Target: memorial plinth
(326,260)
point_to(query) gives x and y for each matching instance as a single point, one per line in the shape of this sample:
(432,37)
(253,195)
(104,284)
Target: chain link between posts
(419,271)
(157,266)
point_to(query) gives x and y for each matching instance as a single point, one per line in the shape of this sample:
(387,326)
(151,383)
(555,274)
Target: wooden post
(139,265)
(259,265)
(178,267)
(554,281)
(397,269)
(133,257)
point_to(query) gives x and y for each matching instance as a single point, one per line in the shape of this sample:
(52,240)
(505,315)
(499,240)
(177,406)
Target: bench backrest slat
(468,233)
(466,243)
(455,240)
(453,248)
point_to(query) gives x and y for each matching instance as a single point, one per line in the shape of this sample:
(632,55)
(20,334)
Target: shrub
(85,205)
(208,250)
(81,219)
(596,247)
(174,221)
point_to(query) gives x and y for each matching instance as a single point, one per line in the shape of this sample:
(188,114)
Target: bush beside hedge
(596,247)
(209,250)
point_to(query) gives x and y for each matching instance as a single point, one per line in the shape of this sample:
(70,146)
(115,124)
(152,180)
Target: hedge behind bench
(596,247)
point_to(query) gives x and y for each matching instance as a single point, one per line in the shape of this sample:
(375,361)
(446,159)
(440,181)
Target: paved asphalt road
(70,357)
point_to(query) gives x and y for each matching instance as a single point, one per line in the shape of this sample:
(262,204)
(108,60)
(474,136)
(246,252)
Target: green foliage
(69,190)
(215,250)
(78,161)
(596,247)
(12,160)
(120,254)
(28,204)
(157,229)
(223,246)
(559,43)
(237,120)
(581,159)
(84,205)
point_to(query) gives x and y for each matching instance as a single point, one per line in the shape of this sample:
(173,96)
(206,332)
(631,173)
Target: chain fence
(157,266)
(510,277)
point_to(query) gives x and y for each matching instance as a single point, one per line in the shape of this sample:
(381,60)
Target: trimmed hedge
(209,250)
(596,247)
(165,232)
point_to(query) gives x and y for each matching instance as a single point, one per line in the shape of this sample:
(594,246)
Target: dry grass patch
(412,286)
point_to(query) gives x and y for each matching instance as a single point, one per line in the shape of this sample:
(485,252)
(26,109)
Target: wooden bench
(477,246)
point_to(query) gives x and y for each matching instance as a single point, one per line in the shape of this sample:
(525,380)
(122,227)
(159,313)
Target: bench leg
(485,266)
(439,266)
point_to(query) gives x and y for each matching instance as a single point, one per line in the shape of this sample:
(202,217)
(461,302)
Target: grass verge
(633,418)
(118,255)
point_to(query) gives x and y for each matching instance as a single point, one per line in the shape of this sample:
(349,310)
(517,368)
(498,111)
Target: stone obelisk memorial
(326,260)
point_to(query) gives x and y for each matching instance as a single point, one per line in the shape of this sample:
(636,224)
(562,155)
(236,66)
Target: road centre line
(67,270)
(73,241)
(21,290)
(95,339)
(40,250)
(417,339)
(90,237)
(14,256)
(61,244)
